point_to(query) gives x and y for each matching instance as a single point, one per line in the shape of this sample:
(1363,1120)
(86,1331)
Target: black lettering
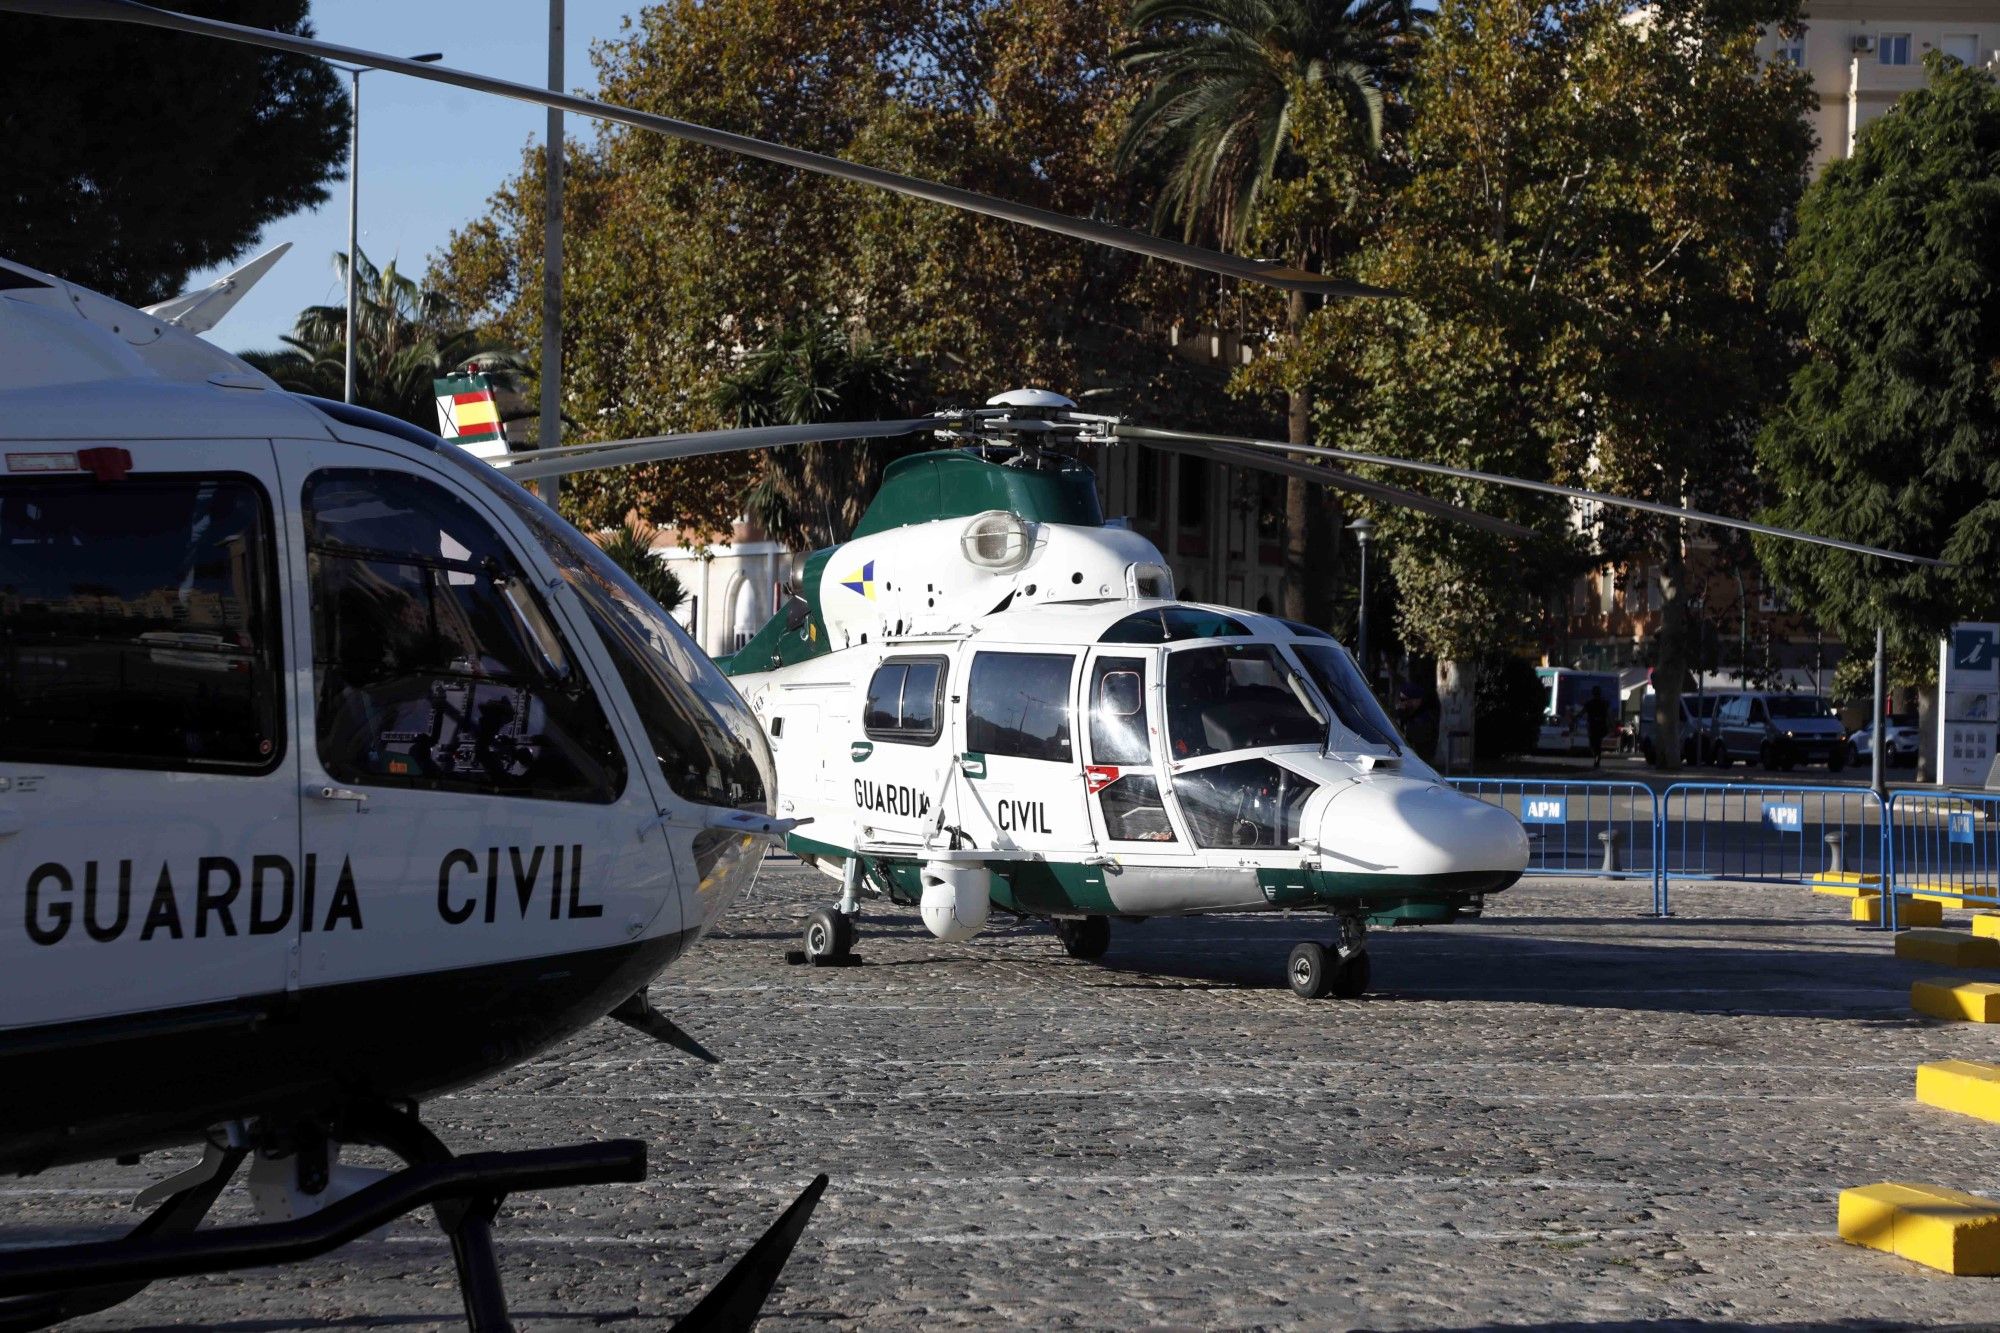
(555,888)
(58,912)
(165,913)
(578,909)
(104,934)
(492,881)
(206,900)
(860,793)
(346,904)
(455,915)
(306,888)
(259,866)
(524,890)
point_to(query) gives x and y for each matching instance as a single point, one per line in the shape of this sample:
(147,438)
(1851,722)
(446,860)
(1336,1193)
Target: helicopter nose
(1405,827)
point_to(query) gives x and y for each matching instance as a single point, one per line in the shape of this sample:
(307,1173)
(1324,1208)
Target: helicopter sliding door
(148,765)
(468,802)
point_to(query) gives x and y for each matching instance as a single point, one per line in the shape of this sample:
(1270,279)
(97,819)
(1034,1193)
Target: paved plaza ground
(1565,1114)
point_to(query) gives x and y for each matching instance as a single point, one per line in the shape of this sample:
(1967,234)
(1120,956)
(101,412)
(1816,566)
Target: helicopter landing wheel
(829,938)
(1310,971)
(1087,938)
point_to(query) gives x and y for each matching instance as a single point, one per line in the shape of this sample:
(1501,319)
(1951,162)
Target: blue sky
(430,155)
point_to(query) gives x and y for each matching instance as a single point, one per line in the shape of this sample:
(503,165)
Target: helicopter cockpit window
(903,701)
(1340,681)
(1171,624)
(139,623)
(435,659)
(1237,697)
(1250,803)
(710,748)
(1018,704)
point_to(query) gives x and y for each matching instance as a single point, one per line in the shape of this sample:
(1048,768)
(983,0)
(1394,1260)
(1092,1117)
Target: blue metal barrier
(1944,845)
(1771,834)
(1581,830)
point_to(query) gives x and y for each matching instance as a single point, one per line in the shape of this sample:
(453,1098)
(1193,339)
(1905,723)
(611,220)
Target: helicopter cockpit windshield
(1237,697)
(1355,710)
(709,747)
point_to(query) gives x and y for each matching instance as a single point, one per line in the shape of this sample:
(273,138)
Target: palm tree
(631,548)
(811,495)
(1214,130)
(402,342)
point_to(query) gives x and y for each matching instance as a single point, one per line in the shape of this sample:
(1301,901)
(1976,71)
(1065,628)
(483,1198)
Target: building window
(1962,47)
(1791,51)
(1893,48)
(1192,502)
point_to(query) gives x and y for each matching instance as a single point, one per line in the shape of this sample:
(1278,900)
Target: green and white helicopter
(990,697)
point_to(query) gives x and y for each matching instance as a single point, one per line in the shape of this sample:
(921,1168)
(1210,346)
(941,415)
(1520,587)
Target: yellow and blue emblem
(862,581)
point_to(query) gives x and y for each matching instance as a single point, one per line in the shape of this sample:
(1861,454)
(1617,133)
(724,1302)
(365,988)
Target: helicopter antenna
(1268,272)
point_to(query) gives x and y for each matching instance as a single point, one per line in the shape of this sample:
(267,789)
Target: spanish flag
(467,413)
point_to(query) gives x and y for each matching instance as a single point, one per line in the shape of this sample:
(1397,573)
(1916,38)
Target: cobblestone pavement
(1563,1114)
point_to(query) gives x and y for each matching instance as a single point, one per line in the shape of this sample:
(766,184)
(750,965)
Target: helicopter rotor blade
(1150,434)
(1268,272)
(534,464)
(733,1304)
(1234,456)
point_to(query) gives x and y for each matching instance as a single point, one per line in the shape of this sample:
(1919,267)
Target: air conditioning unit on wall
(1863,43)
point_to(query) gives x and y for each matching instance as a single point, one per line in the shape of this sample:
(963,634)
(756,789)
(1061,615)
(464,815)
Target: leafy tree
(130,158)
(630,547)
(1229,80)
(1887,435)
(401,344)
(1590,218)
(812,495)
(682,261)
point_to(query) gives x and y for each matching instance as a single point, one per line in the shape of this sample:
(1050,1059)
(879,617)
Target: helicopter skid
(48,1284)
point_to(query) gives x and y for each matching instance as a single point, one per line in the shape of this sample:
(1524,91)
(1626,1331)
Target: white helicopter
(989,697)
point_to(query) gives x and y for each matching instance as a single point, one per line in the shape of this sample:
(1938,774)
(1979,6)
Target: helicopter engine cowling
(956,900)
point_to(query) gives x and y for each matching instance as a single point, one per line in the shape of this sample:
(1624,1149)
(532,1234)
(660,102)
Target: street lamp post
(1363,528)
(354,73)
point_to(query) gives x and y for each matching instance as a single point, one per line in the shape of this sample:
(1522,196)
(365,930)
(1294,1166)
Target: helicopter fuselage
(334,768)
(1016,697)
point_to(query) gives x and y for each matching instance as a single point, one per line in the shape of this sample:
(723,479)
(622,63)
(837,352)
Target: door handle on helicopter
(11,822)
(338,794)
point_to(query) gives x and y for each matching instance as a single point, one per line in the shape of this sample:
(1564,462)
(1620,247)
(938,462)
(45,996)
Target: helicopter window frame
(983,728)
(269,697)
(902,732)
(574,715)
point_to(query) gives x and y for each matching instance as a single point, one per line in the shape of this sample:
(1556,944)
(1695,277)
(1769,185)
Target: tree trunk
(1457,680)
(1310,514)
(1671,661)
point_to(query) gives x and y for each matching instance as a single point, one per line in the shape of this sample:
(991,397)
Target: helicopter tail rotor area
(316,1206)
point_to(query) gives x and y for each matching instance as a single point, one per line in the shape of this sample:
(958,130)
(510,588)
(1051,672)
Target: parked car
(1779,731)
(1697,727)
(1899,747)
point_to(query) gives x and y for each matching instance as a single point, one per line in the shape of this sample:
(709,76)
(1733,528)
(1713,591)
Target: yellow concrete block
(1945,1229)
(1986,925)
(1947,948)
(1969,1087)
(1908,912)
(1948,997)
(1939,896)
(1846,885)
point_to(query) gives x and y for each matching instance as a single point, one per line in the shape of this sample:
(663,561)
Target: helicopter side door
(1023,771)
(148,763)
(467,800)
(899,766)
